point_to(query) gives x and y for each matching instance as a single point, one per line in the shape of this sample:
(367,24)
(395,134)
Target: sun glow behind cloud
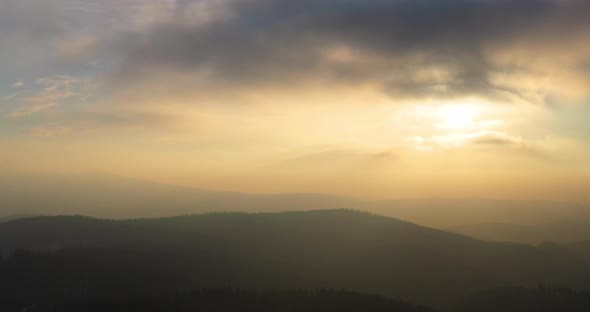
(457,116)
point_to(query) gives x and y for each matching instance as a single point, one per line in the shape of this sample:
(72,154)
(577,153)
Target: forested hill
(336,249)
(234,300)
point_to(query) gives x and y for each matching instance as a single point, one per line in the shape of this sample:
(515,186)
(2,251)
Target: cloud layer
(505,50)
(299,93)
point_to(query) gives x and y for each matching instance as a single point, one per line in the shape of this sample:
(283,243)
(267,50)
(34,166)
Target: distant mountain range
(116,197)
(563,231)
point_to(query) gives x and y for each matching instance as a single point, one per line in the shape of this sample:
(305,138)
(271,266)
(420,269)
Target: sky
(370,98)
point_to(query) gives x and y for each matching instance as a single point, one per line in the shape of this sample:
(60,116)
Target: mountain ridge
(123,198)
(339,249)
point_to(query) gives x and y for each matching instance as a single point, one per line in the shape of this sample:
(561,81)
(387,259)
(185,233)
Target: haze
(295,155)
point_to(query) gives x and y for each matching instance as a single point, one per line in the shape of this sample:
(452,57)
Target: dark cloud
(504,142)
(495,139)
(412,48)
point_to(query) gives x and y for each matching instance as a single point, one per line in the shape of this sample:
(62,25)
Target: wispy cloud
(53,91)
(480,139)
(47,131)
(35,106)
(18,84)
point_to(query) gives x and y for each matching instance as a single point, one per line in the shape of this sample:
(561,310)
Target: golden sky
(370,98)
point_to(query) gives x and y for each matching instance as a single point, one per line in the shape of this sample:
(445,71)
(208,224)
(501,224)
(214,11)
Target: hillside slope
(231,300)
(315,249)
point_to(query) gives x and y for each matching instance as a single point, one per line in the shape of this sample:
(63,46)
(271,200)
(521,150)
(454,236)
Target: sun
(456,116)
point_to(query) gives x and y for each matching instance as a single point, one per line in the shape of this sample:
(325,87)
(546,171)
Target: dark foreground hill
(518,299)
(507,299)
(232,300)
(334,249)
